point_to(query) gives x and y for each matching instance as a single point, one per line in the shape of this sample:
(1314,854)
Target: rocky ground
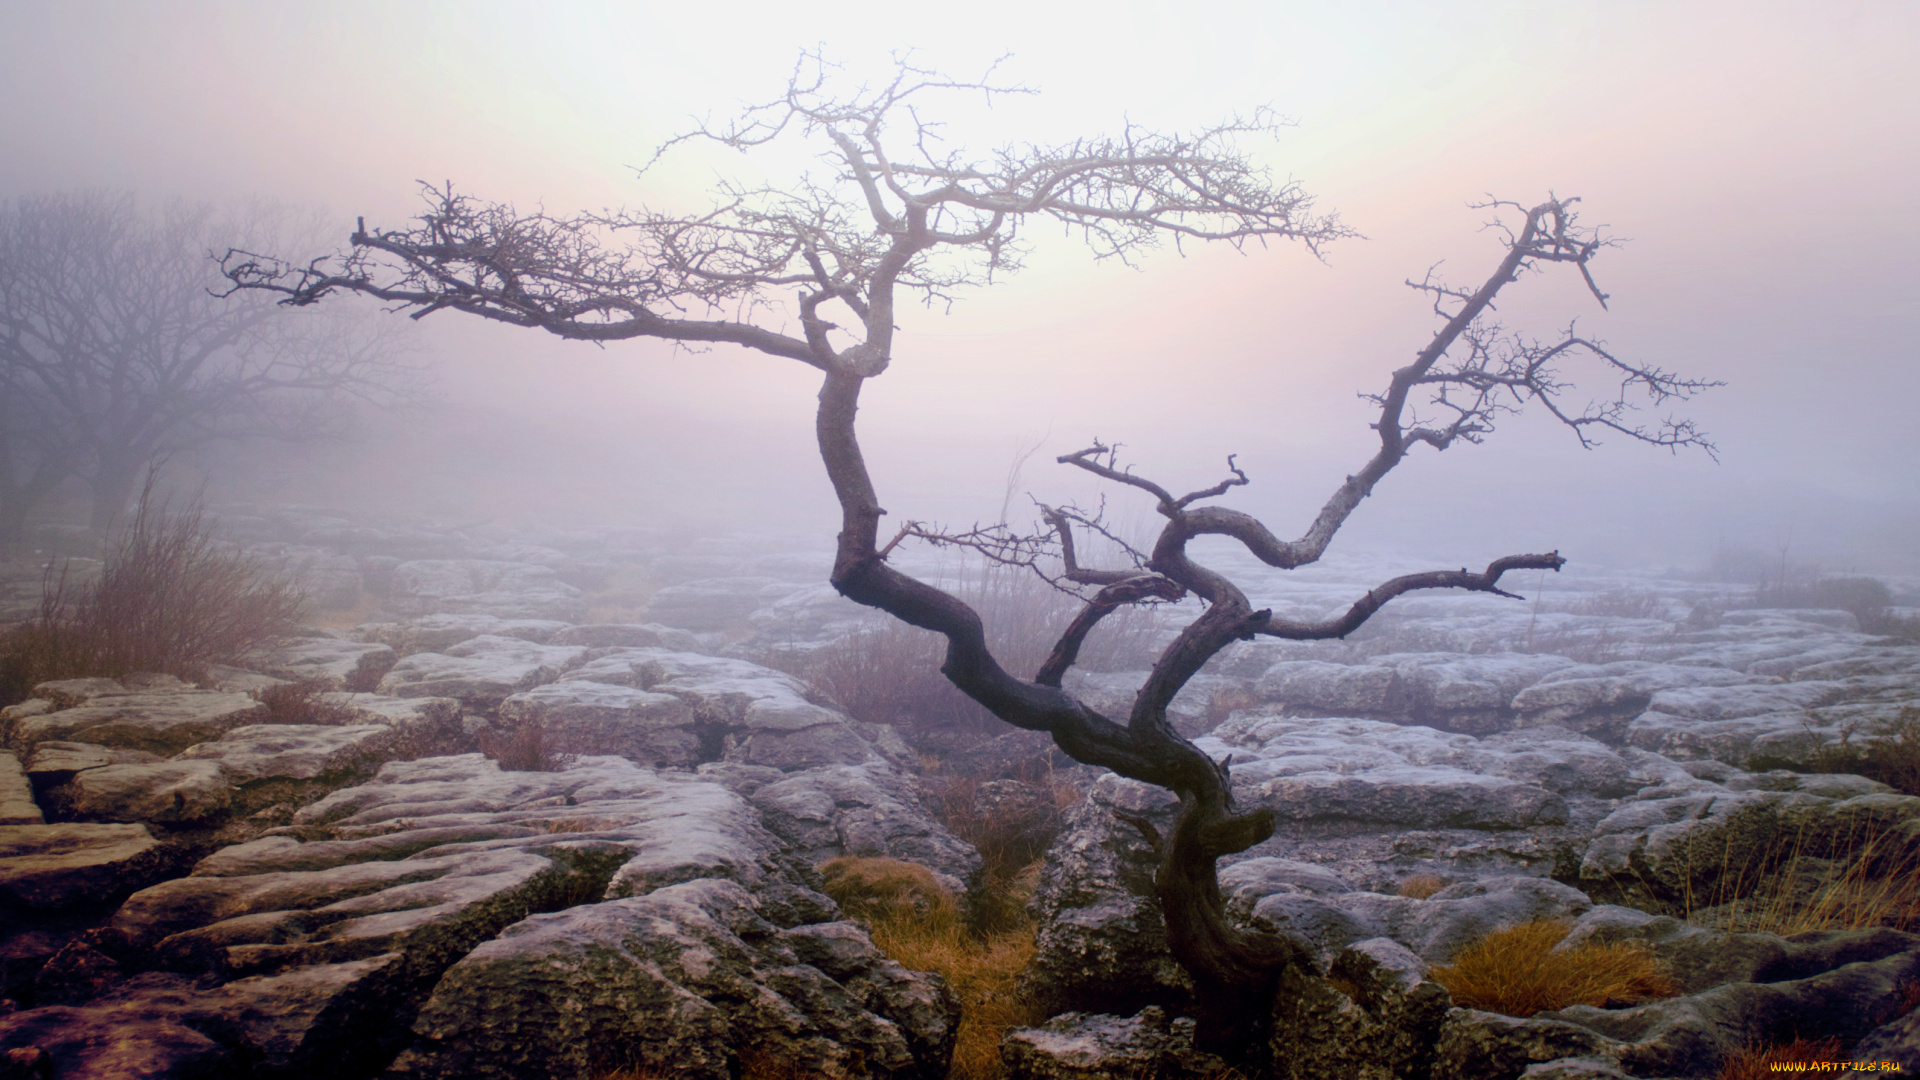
(306,867)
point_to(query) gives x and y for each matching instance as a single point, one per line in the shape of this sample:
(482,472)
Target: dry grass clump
(1421,886)
(169,599)
(1866,878)
(1894,760)
(526,748)
(918,924)
(302,703)
(1763,1062)
(1516,972)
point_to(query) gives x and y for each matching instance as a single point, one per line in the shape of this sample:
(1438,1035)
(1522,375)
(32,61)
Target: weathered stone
(1099,1046)
(301,751)
(1376,1017)
(584,717)
(16,795)
(163,723)
(65,866)
(689,978)
(482,672)
(866,809)
(176,792)
(756,715)
(333,663)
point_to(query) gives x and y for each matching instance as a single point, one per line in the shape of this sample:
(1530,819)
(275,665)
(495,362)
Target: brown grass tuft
(1421,886)
(524,749)
(1866,878)
(301,703)
(1515,972)
(1759,1062)
(924,932)
(169,599)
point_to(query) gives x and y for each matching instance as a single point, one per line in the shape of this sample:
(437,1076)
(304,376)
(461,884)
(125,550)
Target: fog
(1758,160)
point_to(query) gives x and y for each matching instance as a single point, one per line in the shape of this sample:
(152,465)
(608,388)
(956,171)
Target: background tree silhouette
(115,349)
(903,215)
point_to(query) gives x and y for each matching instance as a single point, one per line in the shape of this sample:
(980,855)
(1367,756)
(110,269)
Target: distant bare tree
(900,214)
(115,350)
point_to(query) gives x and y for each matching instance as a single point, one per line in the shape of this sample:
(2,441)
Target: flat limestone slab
(161,723)
(57,866)
(172,791)
(16,795)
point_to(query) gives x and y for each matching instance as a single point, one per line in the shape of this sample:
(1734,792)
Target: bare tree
(115,350)
(902,215)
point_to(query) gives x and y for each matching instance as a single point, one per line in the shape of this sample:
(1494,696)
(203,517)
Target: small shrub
(1421,886)
(1762,1062)
(1514,971)
(302,703)
(169,599)
(525,748)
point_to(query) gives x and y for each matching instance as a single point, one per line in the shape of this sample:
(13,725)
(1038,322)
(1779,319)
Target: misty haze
(758,543)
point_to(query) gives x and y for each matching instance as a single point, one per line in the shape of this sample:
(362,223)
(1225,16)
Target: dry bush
(301,703)
(923,931)
(1893,760)
(1763,1062)
(169,599)
(1866,878)
(1515,972)
(526,748)
(1421,886)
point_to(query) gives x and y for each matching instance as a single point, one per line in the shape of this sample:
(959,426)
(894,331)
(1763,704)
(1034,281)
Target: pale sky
(1760,158)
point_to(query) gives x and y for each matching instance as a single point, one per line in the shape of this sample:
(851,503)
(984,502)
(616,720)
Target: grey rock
(1101,1046)
(482,672)
(164,722)
(1376,1017)
(584,717)
(334,663)
(689,978)
(16,795)
(75,865)
(1657,851)
(868,809)
(1306,769)
(756,715)
(172,792)
(1435,928)
(434,633)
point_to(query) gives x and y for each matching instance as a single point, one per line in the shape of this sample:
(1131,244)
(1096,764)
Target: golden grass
(1761,1062)
(917,923)
(1421,886)
(1514,971)
(1868,878)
